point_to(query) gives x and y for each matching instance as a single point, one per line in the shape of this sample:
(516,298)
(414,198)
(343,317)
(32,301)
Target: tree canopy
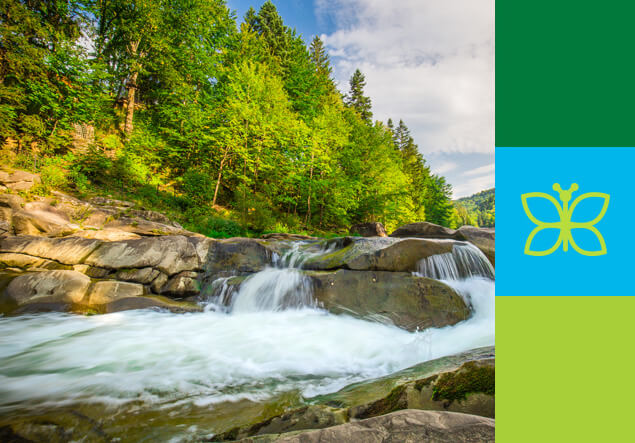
(244,121)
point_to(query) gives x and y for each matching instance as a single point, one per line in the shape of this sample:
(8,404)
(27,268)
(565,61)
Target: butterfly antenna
(565,195)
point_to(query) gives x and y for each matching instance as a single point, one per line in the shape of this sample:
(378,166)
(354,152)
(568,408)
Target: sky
(428,62)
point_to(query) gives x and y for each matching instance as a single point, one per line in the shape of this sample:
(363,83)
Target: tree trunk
(308,200)
(220,173)
(131,85)
(130,104)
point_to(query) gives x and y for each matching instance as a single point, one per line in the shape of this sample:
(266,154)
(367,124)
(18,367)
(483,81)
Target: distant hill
(480,207)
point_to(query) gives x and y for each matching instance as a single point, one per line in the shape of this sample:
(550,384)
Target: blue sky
(427,62)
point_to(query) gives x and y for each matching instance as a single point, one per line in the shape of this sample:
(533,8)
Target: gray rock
(158,283)
(403,426)
(23,261)
(169,254)
(184,284)
(104,292)
(482,238)
(19,180)
(69,251)
(42,222)
(50,287)
(400,298)
(142,275)
(11,201)
(423,229)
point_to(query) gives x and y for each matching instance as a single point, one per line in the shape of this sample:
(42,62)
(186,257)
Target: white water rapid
(271,339)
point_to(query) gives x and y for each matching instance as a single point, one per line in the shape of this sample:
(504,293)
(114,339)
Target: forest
(478,209)
(234,126)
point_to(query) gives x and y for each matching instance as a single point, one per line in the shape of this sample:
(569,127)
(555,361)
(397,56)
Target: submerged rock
(399,298)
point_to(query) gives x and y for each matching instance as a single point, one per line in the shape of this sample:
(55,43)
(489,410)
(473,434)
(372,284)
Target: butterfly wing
(540,225)
(590,225)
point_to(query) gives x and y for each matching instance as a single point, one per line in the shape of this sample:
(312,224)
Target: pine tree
(320,58)
(356,98)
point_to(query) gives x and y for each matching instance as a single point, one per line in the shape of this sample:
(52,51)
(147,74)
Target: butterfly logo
(565,225)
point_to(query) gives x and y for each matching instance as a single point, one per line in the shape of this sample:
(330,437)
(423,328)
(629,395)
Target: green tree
(356,98)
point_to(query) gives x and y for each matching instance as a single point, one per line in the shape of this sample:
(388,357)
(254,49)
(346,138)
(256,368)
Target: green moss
(420,384)
(394,401)
(469,379)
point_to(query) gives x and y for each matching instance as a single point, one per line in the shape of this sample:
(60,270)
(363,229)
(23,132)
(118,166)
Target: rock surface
(48,290)
(402,426)
(19,180)
(373,229)
(399,298)
(482,238)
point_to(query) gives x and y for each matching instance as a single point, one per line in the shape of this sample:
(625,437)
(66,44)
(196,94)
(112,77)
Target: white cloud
(427,62)
(444,167)
(487,169)
(473,185)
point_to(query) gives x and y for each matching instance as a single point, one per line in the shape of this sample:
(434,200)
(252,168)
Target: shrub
(198,186)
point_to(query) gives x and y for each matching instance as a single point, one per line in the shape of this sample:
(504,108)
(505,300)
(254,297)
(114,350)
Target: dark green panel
(565,73)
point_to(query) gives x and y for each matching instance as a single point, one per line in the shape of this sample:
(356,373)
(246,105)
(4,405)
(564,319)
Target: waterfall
(465,261)
(277,287)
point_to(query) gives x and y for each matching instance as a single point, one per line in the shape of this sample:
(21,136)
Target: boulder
(376,254)
(401,298)
(153,216)
(69,250)
(142,275)
(49,290)
(184,284)
(42,222)
(144,227)
(19,180)
(402,426)
(169,254)
(373,229)
(107,291)
(423,229)
(237,255)
(482,238)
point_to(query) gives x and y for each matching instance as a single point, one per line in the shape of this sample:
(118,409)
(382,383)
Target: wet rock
(104,292)
(149,302)
(400,298)
(308,417)
(402,426)
(51,290)
(238,255)
(373,229)
(482,238)
(169,254)
(468,389)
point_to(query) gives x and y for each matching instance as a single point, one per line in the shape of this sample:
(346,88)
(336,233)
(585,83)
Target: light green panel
(565,368)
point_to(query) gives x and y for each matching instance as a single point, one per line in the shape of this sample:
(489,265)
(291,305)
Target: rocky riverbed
(238,339)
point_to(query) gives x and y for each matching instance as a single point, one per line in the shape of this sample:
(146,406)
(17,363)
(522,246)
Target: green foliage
(175,107)
(480,208)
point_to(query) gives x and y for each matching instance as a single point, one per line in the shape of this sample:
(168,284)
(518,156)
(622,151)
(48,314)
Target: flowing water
(265,339)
